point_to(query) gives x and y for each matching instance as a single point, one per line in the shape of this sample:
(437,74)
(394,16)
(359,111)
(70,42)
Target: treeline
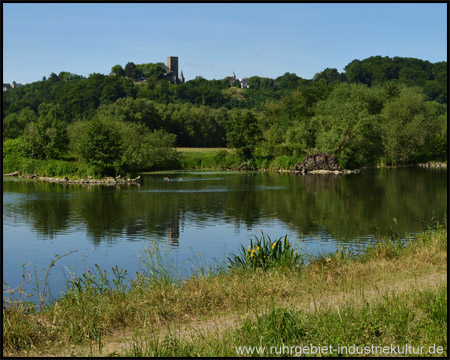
(379,110)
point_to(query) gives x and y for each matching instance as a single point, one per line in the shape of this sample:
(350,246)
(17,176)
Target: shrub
(285,162)
(220,160)
(13,148)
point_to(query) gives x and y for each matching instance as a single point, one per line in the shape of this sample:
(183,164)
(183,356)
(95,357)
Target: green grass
(51,168)
(208,158)
(97,303)
(416,317)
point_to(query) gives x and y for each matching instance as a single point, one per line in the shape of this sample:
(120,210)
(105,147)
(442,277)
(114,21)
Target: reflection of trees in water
(347,206)
(103,213)
(47,205)
(318,182)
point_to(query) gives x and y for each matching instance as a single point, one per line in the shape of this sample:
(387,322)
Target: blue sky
(212,40)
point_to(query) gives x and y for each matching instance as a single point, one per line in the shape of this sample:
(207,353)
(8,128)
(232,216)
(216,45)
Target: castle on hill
(172,71)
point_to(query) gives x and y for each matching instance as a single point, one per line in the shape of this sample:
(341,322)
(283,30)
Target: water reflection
(345,207)
(173,232)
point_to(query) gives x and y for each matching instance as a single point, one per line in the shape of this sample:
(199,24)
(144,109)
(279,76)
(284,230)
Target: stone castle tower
(172,73)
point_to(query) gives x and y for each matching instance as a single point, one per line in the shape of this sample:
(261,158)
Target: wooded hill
(381,109)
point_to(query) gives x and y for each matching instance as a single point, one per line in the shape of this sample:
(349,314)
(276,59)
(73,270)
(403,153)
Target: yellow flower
(252,254)
(264,256)
(274,244)
(257,248)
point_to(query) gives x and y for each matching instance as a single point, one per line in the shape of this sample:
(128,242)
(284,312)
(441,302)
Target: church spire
(181,77)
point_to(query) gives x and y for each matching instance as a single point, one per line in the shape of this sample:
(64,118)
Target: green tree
(243,134)
(153,71)
(147,150)
(14,148)
(102,144)
(287,81)
(118,69)
(15,123)
(132,71)
(330,75)
(406,126)
(53,77)
(345,127)
(47,137)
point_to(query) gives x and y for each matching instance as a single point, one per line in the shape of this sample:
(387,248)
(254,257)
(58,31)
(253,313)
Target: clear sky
(213,40)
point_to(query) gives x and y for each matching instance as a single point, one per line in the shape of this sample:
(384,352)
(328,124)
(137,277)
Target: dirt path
(119,342)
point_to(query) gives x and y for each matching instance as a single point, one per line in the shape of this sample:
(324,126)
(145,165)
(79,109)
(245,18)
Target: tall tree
(118,69)
(15,123)
(132,71)
(47,137)
(102,144)
(243,134)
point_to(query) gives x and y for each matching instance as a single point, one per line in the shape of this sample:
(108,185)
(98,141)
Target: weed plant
(263,253)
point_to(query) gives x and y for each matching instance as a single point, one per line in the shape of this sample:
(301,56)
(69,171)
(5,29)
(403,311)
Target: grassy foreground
(389,294)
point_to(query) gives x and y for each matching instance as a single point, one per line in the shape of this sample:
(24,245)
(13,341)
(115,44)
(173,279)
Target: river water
(201,217)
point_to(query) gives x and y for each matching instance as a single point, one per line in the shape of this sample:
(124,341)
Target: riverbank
(385,295)
(67,172)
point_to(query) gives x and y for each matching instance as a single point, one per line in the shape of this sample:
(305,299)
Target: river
(201,217)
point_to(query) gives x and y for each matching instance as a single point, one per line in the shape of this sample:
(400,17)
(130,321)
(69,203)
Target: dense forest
(379,110)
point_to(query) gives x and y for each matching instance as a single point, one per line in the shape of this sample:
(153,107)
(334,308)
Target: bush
(13,148)
(223,159)
(285,162)
(258,162)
